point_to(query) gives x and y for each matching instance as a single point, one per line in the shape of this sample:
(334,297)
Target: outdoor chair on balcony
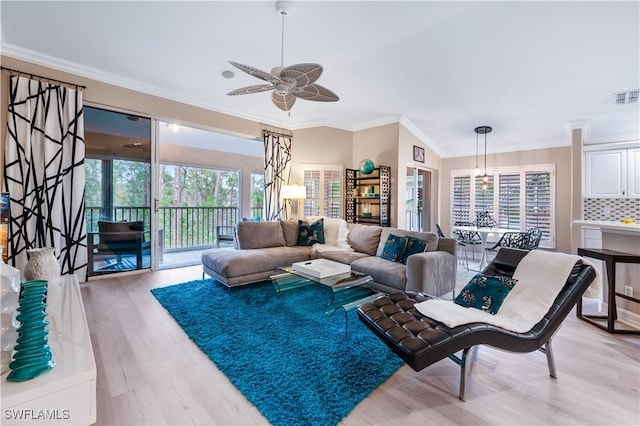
(116,240)
(225,233)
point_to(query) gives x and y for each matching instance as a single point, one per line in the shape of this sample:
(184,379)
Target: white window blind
(508,201)
(518,197)
(312,199)
(538,202)
(461,198)
(333,193)
(483,197)
(324,185)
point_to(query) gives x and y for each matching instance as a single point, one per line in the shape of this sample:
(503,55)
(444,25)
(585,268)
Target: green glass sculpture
(32,356)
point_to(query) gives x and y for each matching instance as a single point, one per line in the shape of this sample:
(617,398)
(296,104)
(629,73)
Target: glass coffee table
(348,289)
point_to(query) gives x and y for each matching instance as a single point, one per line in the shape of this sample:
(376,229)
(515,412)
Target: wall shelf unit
(368,196)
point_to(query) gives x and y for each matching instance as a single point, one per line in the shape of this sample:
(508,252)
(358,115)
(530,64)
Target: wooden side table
(610,258)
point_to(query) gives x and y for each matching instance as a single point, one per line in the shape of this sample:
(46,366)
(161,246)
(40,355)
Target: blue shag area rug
(295,364)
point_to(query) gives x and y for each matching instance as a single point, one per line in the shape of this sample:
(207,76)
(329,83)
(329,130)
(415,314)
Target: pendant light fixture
(483,130)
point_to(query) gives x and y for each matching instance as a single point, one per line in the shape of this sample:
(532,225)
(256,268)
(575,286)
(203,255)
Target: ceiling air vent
(629,97)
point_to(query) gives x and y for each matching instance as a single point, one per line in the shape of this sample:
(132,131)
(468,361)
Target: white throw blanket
(335,234)
(541,276)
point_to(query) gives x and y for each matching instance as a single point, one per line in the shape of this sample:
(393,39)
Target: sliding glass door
(118,191)
(418,194)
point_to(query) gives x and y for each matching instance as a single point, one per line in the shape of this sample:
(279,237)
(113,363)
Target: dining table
(484,236)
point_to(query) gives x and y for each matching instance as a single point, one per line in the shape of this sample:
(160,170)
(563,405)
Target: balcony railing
(183,228)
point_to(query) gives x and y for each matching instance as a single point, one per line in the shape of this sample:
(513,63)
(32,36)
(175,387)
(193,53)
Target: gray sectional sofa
(264,246)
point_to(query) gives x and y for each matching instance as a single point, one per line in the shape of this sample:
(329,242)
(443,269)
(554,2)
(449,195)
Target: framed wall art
(418,154)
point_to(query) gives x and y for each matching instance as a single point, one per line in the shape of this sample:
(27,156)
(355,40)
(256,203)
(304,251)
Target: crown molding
(415,131)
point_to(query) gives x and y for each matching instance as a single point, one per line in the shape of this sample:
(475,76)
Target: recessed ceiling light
(228,74)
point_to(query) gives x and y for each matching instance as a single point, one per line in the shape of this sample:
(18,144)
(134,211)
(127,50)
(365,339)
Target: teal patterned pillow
(310,233)
(393,248)
(485,292)
(414,245)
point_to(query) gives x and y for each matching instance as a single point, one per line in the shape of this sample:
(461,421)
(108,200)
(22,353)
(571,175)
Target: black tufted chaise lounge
(421,341)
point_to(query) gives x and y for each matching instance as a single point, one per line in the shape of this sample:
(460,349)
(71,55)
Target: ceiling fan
(287,83)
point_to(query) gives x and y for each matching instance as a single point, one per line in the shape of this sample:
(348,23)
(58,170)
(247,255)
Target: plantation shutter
(323,183)
(333,193)
(312,199)
(484,197)
(461,198)
(538,202)
(509,201)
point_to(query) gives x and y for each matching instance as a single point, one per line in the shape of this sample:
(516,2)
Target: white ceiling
(531,70)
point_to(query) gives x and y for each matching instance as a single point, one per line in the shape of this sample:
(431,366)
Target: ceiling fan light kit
(287,83)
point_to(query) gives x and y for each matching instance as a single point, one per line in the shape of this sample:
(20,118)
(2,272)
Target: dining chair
(466,238)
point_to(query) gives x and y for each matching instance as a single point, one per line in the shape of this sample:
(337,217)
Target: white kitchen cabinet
(612,173)
(633,170)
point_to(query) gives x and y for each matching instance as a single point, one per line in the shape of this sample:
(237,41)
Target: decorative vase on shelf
(42,265)
(32,356)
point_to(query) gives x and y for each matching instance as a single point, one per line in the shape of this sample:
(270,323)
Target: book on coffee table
(321,268)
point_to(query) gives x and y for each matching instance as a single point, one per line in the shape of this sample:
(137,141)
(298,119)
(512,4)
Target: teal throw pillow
(485,292)
(310,233)
(393,248)
(414,245)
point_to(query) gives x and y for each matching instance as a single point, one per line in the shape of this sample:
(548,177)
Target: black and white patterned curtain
(277,170)
(44,173)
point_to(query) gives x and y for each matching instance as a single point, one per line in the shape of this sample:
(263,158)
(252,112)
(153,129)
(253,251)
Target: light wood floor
(149,372)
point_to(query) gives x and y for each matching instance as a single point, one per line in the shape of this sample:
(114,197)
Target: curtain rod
(31,75)
(276,131)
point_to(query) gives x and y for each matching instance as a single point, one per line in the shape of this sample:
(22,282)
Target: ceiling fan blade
(318,93)
(263,75)
(283,101)
(303,74)
(251,89)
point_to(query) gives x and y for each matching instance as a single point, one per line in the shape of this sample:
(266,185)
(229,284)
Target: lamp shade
(293,192)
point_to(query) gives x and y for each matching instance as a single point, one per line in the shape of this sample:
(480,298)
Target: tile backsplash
(618,208)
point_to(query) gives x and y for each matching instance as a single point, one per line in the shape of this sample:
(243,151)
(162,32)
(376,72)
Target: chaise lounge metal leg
(548,350)
(467,355)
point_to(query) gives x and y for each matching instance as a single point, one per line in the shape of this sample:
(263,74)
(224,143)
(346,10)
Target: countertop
(609,225)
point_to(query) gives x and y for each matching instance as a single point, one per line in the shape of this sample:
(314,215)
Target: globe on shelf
(366,166)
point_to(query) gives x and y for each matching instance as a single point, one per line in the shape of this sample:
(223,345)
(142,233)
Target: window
(324,183)
(519,198)
(257,195)
(461,198)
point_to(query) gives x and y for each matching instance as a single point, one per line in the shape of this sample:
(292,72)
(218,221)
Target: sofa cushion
(394,248)
(364,238)
(254,235)
(429,237)
(310,233)
(235,263)
(290,231)
(414,246)
(382,271)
